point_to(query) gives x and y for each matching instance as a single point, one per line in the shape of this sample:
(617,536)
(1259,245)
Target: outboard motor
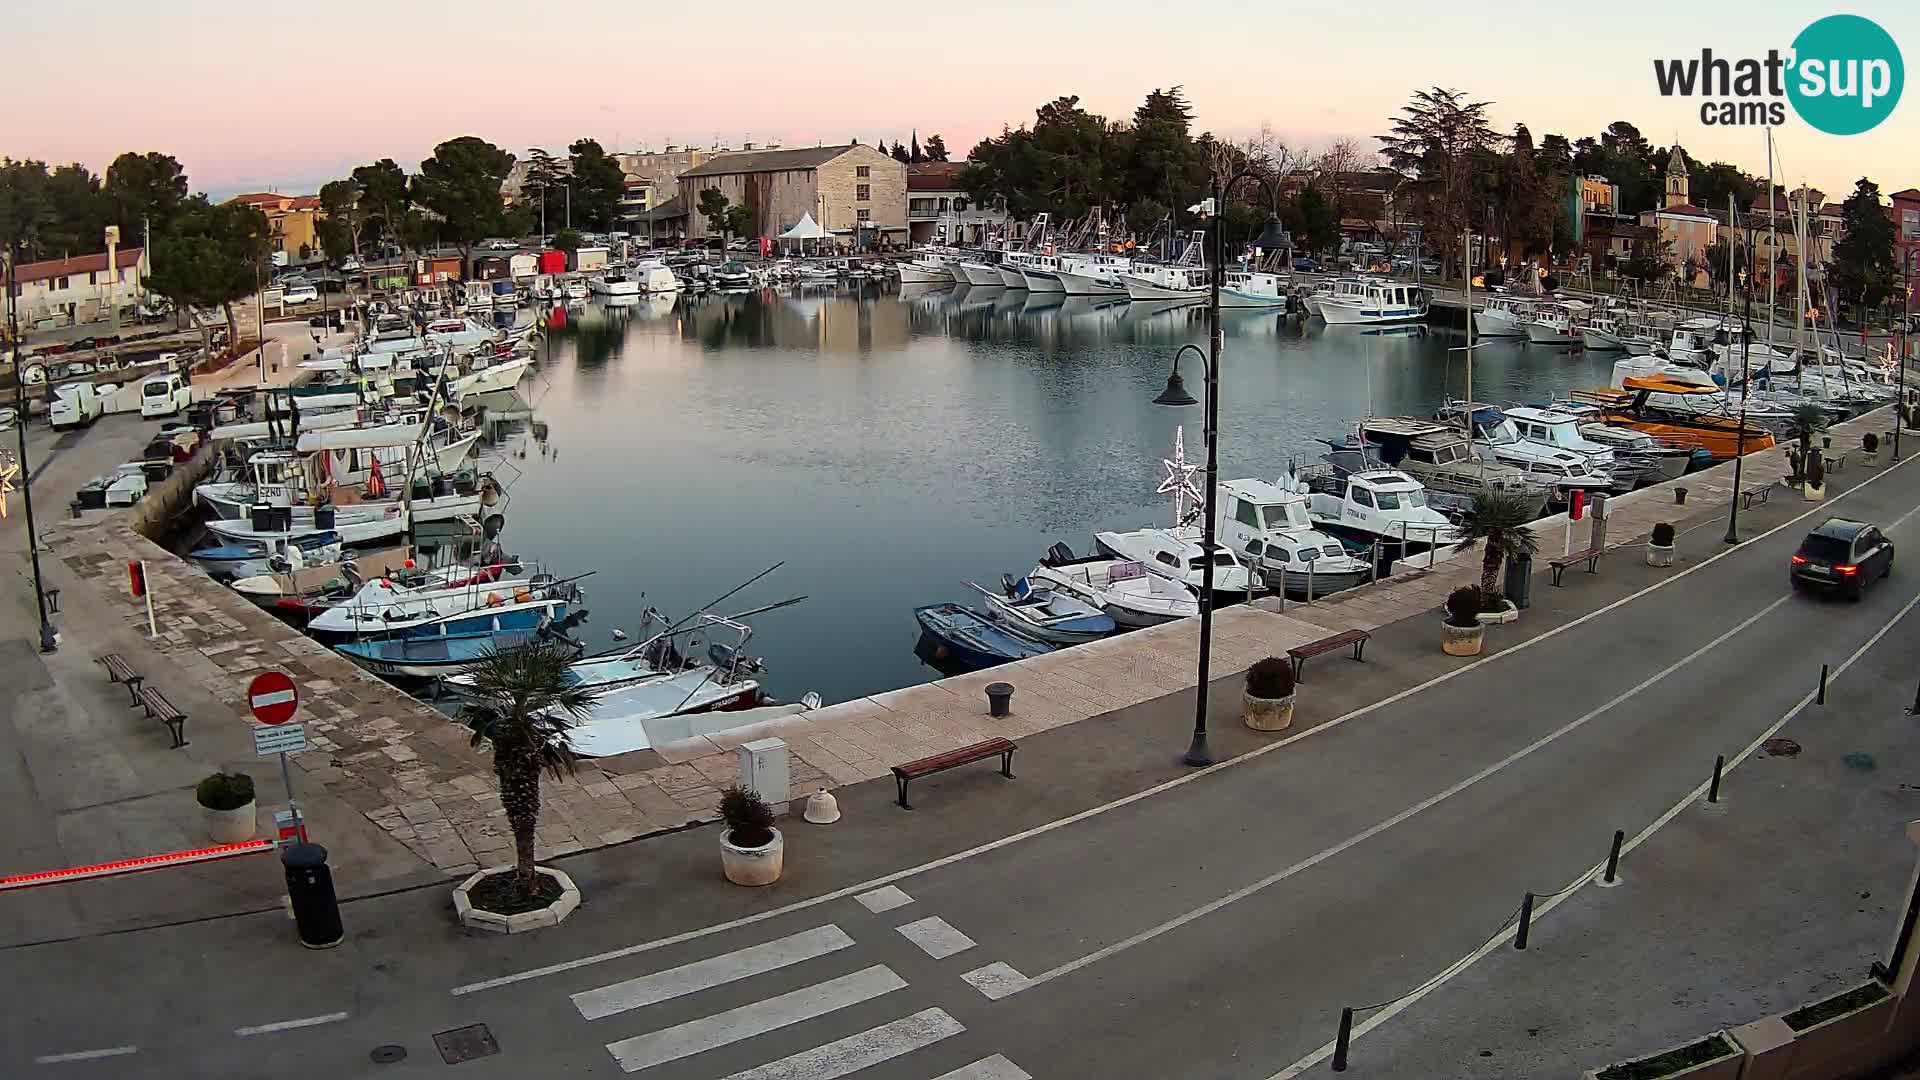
(351,571)
(1059,553)
(1007,585)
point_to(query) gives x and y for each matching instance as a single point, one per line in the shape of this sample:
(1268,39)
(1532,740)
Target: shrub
(1271,678)
(1870,442)
(1663,535)
(1463,606)
(225,791)
(749,819)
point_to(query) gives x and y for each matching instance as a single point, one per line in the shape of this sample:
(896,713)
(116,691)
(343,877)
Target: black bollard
(1526,922)
(310,889)
(1713,791)
(1821,698)
(1340,1041)
(1915,711)
(1613,856)
(999,699)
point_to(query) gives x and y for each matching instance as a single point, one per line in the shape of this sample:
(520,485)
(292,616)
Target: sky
(285,97)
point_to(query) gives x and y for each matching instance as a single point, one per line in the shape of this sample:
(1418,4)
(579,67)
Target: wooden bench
(119,671)
(159,708)
(1755,493)
(1834,460)
(1300,654)
(953,759)
(1590,556)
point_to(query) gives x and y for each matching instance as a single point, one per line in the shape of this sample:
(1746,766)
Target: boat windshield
(1396,500)
(1284,515)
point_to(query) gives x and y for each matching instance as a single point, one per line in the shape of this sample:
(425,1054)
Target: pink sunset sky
(286,96)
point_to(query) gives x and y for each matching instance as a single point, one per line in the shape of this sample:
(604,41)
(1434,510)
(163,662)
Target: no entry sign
(272,697)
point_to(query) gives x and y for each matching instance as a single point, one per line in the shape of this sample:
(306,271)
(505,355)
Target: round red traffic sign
(273,697)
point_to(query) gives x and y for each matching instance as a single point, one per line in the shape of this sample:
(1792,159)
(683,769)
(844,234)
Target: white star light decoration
(1179,478)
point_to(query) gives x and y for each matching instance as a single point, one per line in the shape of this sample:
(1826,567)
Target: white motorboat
(351,454)
(439,333)
(1605,333)
(1271,525)
(1044,614)
(653,276)
(1177,554)
(980,275)
(1253,289)
(388,608)
(1504,316)
(1384,506)
(1149,282)
(1338,289)
(1561,430)
(923,271)
(576,288)
(1122,588)
(245,558)
(1556,323)
(271,525)
(1494,435)
(614,283)
(1378,303)
(1655,461)
(1094,275)
(494,377)
(1437,455)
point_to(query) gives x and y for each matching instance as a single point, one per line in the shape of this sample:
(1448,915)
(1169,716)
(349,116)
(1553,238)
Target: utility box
(1517,586)
(1599,523)
(763,767)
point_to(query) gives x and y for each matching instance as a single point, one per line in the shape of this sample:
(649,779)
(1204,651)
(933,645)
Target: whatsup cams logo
(1843,75)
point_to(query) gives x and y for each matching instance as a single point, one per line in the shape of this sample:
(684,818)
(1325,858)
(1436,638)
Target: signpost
(274,699)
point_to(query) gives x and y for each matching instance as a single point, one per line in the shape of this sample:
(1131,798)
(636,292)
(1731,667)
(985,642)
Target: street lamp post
(1740,433)
(48,642)
(1175,394)
(1906,319)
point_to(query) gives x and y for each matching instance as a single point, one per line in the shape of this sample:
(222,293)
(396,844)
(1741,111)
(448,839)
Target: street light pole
(48,642)
(1740,434)
(1906,319)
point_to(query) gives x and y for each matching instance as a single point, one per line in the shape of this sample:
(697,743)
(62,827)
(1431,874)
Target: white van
(75,405)
(164,395)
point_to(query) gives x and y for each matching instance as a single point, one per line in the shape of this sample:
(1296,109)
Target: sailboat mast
(1466,248)
(1773,247)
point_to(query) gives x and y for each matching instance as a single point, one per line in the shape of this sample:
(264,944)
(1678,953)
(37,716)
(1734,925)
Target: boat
(1094,274)
(1043,614)
(576,288)
(491,378)
(1678,413)
(1341,288)
(1380,303)
(1556,323)
(438,333)
(1271,524)
(456,645)
(1493,434)
(979,274)
(1120,587)
(1176,554)
(1253,289)
(1186,278)
(1437,455)
(1010,275)
(732,274)
(391,607)
(1378,509)
(614,283)
(1605,333)
(1041,270)
(349,455)
(1561,430)
(1654,461)
(505,294)
(251,558)
(961,638)
(1504,316)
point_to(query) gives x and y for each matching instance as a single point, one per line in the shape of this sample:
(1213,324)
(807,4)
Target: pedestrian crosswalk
(819,954)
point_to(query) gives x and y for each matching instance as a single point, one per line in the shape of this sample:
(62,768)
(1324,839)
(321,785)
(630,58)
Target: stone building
(940,211)
(854,192)
(1689,228)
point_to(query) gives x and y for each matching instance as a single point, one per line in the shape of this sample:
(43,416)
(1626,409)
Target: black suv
(1842,555)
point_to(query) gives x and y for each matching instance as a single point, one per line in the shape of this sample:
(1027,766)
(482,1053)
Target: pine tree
(1863,266)
(913,152)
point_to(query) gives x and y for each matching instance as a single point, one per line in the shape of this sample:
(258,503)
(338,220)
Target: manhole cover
(387,1055)
(1781,747)
(465,1044)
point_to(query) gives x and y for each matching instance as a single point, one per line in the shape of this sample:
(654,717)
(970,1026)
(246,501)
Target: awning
(804,229)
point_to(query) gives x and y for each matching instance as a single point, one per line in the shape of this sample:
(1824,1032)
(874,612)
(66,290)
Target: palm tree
(1808,420)
(522,703)
(1500,518)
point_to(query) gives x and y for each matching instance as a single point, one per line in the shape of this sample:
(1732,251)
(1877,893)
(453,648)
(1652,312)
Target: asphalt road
(1211,929)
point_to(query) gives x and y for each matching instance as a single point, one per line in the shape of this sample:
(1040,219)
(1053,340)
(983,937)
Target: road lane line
(936,937)
(884,899)
(758,1018)
(996,980)
(996,1067)
(85,1055)
(714,971)
(289,1025)
(1410,812)
(843,1057)
(1699,792)
(1163,787)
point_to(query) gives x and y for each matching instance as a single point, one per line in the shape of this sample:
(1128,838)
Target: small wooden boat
(455,645)
(250,558)
(1044,614)
(964,639)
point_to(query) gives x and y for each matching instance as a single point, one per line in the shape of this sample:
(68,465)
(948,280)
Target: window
(1275,552)
(1253,548)
(1164,557)
(864,216)
(946,204)
(863,193)
(863,170)
(1910,224)
(1246,513)
(1285,515)
(63,283)
(93,277)
(1363,497)
(1389,501)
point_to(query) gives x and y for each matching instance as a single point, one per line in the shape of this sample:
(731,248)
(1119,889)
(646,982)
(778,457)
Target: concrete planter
(233,826)
(753,866)
(1726,1066)
(1870,459)
(1267,714)
(1659,556)
(1847,1044)
(551,915)
(1506,614)
(1813,493)
(1461,640)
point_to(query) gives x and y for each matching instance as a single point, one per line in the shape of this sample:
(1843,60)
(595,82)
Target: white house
(79,289)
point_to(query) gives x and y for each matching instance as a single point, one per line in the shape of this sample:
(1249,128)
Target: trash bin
(1517,586)
(310,889)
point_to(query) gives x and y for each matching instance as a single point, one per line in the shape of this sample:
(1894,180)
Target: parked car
(501,245)
(349,264)
(164,395)
(75,405)
(1307,265)
(301,293)
(1841,555)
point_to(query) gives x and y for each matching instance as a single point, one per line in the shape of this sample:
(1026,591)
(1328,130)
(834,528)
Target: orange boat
(1682,414)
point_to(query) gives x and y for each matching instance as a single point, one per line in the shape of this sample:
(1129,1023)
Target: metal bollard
(1713,791)
(1915,711)
(1526,922)
(310,891)
(1613,857)
(1821,697)
(999,699)
(1340,1041)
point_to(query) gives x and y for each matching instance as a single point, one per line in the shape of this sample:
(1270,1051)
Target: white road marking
(996,1067)
(996,980)
(758,1018)
(884,899)
(714,971)
(85,1055)
(936,937)
(1593,873)
(1158,789)
(1377,828)
(289,1025)
(843,1057)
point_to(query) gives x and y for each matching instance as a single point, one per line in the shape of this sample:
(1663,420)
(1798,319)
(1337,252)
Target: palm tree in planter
(1499,518)
(522,703)
(1870,450)
(1808,420)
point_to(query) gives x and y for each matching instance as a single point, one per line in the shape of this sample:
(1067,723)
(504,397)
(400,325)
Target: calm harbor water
(889,446)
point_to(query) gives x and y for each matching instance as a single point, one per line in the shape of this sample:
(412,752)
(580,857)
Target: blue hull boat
(452,646)
(251,558)
(963,639)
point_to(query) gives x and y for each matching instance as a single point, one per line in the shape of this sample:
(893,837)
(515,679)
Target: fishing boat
(1253,289)
(1380,303)
(1504,316)
(1271,524)
(1334,289)
(489,378)
(1555,324)
(1120,587)
(1605,333)
(1185,279)
(250,558)
(1043,614)
(391,607)
(978,273)
(1094,274)
(954,637)
(451,646)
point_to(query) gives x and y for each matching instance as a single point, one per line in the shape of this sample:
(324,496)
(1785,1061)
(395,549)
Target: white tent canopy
(805,229)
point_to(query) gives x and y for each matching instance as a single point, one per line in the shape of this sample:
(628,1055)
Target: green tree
(545,187)
(383,192)
(212,255)
(343,219)
(936,148)
(1312,220)
(523,705)
(26,210)
(914,156)
(713,206)
(145,190)
(899,153)
(1709,186)
(739,221)
(1651,259)
(1864,269)
(461,184)
(567,240)
(1499,519)
(1436,142)
(598,185)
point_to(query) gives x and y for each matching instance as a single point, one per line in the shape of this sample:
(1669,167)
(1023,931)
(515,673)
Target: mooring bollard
(1713,790)
(1340,1041)
(999,699)
(1821,698)
(1679,496)
(1526,922)
(1915,711)
(1613,857)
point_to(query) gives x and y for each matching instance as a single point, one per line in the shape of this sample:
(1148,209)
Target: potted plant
(752,851)
(1870,450)
(1808,420)
(522,704)
(1816,485)
(1499,518)
(1660,545)
(1267,704)
(1461,632)
(1714,1057)
(227,799)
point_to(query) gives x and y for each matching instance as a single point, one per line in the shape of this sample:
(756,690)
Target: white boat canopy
(805,229)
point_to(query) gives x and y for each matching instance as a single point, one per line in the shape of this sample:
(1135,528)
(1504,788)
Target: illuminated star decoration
(1179,479)
(9,470)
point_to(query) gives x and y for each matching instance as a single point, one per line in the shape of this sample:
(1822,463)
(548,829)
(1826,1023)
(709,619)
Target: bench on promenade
(1753,493)
(159,708)
(1590,556)
(119,671)
(1300,654)
(1834,460)
(953,759)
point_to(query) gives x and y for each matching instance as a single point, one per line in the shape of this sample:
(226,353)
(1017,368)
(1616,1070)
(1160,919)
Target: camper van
(164,395)
(75,405)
